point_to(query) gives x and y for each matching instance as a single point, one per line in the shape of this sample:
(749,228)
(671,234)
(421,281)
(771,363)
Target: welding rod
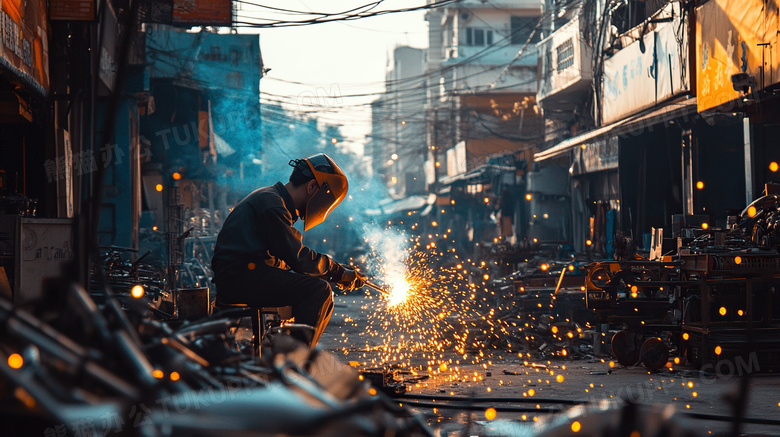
(376,287)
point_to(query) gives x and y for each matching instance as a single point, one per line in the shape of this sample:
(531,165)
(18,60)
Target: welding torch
(370,284)
(376,287)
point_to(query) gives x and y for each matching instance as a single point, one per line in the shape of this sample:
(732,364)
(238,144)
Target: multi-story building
(482,117)
(620,108)
(481,68)
(398,143)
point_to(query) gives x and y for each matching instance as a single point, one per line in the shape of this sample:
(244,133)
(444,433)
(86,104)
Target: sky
(331,61)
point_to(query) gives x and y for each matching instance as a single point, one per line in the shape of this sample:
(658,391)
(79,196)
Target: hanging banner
(649,71)
(23,42)
(205,60)
(735,37)
(599,155)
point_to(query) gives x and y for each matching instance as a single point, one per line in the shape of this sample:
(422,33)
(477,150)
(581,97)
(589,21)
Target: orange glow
(700,185)
(686,336)
(752,211)
(174,376)
(773,167)
(251,266)
(722,311)
(738,260)
(588,243)
(176,176)
(487,200)
(576,427)
(137,291)
(529,196)
(490,413)
(15,361)
(544,267)
(705,225)
(158,374)
(154,228)
(158,187)
(718,350)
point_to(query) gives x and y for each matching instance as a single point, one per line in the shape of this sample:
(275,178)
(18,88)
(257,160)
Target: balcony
(495,45)
(566,72)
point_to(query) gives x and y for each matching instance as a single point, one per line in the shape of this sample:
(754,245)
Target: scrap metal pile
(710,297)
(92,370)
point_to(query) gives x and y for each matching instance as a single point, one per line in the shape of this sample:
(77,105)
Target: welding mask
(332,189)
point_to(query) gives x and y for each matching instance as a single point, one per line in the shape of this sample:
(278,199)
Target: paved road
(505,374)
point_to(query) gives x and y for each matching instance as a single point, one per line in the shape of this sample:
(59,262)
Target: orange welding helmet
(332,189)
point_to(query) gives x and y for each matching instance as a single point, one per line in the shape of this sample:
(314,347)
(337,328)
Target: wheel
(625,347)
(654,353)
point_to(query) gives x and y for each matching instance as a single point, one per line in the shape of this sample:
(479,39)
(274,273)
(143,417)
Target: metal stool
(258,321)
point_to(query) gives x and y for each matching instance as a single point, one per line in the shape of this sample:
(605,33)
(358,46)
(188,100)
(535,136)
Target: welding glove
(351,280)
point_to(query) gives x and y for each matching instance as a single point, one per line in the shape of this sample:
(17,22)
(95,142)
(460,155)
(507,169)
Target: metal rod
(377,288)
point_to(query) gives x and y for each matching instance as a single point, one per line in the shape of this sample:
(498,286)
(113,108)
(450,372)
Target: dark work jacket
(260,230)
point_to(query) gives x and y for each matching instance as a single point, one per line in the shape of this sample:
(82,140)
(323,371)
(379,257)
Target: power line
(330,18)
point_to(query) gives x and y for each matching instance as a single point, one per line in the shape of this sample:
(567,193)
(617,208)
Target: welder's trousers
(311,298)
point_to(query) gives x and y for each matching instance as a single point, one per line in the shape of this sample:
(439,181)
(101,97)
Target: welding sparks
(399,292)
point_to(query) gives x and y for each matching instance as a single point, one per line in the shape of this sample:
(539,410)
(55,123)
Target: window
(521,28)
(565,53)
(479,37)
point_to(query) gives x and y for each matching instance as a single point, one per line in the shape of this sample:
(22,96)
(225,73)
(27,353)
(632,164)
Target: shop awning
(683,107)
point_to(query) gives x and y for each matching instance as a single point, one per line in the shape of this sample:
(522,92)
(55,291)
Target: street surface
(499,373)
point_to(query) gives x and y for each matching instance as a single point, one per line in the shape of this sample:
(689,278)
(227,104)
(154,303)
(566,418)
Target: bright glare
(773,167)
(15,361)
(159,187)
(137,291)
(399,290)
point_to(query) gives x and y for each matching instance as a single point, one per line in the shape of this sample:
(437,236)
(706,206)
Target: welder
(259,258)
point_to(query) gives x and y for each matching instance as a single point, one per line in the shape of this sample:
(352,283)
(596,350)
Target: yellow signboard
(734,37)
